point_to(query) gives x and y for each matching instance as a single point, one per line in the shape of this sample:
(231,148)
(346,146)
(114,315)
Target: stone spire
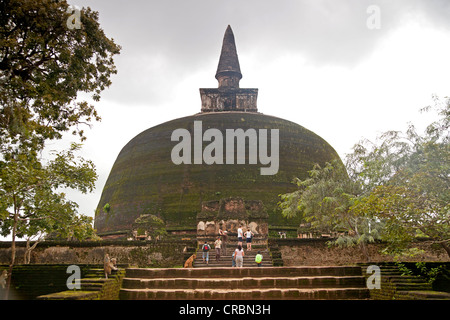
(228,71)
(228,96)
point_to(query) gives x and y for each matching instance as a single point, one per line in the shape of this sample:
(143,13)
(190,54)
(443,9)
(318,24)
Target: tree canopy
(407,182)
(45,65)
(397,189)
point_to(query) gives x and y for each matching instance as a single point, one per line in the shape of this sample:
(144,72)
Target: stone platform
(251,283)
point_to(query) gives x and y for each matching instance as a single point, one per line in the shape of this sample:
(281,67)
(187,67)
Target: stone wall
(134,253)
(298,252)
(294,252)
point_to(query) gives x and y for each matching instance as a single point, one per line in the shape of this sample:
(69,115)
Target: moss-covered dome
(144,180)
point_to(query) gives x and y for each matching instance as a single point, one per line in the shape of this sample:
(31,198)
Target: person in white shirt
(239,256)
(217,245)
(240,235)
(249,236)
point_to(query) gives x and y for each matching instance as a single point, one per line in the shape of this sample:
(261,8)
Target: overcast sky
(330,66)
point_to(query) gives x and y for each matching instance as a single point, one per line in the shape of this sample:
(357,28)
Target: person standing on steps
(233,260)
(258,259)
(249,236)
(240,235)
(239,256)
(205,248)
(217,245)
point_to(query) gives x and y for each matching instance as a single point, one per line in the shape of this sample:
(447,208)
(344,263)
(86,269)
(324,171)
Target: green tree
(407,178)
(44,66)
(324,199)
(150,225)
(30,202)
(397,189)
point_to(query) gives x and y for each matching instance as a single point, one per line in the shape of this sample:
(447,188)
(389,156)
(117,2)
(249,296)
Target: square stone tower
(228,96)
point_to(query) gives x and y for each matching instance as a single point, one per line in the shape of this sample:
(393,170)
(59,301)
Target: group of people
(238,254)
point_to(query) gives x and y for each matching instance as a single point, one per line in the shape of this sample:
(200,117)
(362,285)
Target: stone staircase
(94,279)
(248,283)
(94,286)
(398,286)
(226,260)
(403,282)
(259,243)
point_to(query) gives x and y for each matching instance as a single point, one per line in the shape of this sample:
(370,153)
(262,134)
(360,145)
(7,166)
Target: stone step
(94,273)
(228,264)
(98,273)
(232,241)
(243,294)
(246,282)
(226,260)
(429,295)
(266,257)
(213,264)
(391,273)
(405,279)
(413,287)
(254,272)
(308,282)
(91,286)
(229,252)
(256,244)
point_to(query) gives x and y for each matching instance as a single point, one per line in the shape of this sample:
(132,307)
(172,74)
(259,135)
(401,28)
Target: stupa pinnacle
(228,96)
(228,71)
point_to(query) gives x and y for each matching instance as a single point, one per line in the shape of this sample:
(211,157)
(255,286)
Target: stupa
(169,170)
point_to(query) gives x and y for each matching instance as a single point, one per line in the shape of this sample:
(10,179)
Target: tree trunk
(365,251)
(446,247)
(13,253)
(28,249)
